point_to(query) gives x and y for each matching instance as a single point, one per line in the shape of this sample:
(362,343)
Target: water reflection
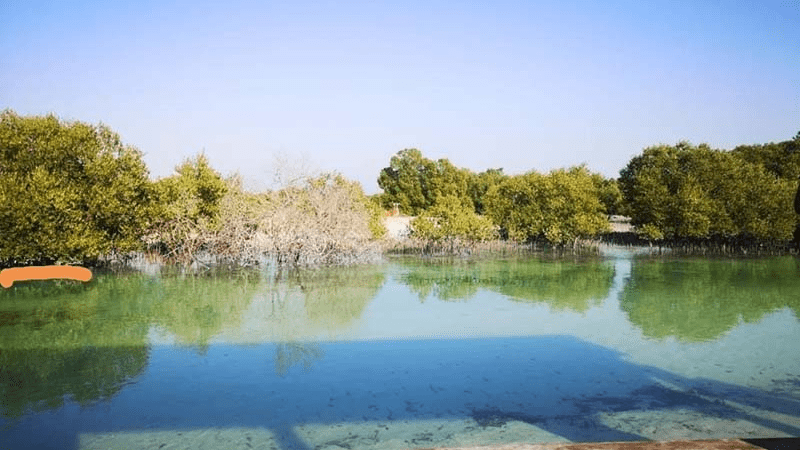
(306,305)
(42,379)
(119,310)
(290,354)
(84,341)
(106,312)
(407,354)
(563,284)
(333,297)
(195,308)
(701,299)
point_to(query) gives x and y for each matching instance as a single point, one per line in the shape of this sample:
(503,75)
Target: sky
(343,86)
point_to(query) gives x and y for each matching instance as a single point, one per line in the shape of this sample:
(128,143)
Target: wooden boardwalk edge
(718,444)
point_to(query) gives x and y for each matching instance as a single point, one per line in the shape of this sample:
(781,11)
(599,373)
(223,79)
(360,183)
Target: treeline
(681,195)
(72,193)
(697,194)
(560,207)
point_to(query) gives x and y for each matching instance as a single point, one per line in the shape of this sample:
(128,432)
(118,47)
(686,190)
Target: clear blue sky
(517,85)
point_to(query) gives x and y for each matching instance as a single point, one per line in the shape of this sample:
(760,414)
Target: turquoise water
(408,354)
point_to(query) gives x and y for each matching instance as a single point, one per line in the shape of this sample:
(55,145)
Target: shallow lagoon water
(408,354)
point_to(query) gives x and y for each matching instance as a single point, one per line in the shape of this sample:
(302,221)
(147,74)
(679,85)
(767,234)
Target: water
(408,354)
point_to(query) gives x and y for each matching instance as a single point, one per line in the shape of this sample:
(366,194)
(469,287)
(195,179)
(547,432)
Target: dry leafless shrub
(325,221)
(317,220)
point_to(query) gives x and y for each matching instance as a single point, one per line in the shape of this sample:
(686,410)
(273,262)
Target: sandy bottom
(670,425)
(686,424)
(364,435)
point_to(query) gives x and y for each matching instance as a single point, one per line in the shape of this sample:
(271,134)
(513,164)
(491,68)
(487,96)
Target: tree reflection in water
(572,284)
(701,299)
(290,354)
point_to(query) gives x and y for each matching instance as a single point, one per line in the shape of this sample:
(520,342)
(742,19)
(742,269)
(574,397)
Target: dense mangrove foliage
(559,207)
(686,191)
(454,203)
(72,192)
(69,192)
(685,196)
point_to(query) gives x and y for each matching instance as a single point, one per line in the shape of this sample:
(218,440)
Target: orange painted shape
(9,276)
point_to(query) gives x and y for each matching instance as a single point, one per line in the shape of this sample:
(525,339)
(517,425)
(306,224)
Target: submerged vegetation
(71,192)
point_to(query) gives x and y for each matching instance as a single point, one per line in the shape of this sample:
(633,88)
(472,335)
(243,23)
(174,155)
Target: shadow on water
(558,384)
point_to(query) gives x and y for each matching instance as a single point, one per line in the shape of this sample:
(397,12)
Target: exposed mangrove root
(494,248)
(712,246)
